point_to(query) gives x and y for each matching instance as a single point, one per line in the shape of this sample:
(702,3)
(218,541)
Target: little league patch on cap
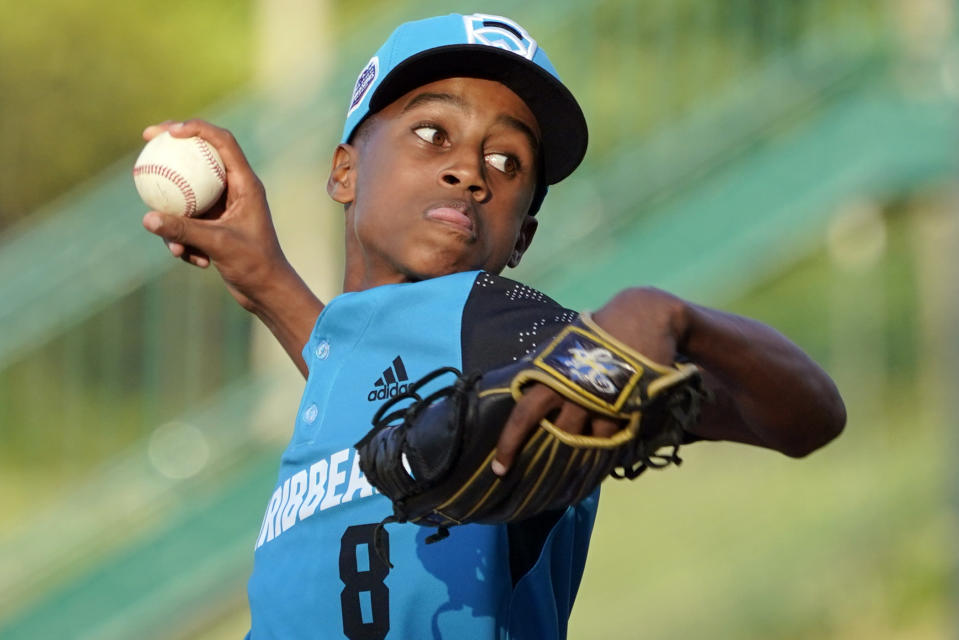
(479,46)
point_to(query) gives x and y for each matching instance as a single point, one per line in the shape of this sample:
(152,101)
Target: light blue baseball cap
(477,46)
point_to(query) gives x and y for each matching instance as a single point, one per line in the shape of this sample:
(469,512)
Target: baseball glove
(431,454)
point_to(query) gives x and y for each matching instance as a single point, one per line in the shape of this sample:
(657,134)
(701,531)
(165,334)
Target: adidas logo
(392,383)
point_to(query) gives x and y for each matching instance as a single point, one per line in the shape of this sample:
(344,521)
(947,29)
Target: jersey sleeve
(504,320)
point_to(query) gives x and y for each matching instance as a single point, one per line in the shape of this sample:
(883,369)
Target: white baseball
(179,175)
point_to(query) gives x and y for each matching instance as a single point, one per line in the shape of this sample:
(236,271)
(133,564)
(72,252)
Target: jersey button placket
(311,412)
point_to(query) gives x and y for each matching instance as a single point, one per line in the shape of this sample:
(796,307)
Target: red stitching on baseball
(205,149)
(179,181)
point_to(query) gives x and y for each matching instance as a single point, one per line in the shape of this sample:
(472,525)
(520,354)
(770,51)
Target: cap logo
(499,32)
(363,83)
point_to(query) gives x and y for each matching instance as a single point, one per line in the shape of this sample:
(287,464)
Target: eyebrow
(522,127)
(457,101)
(426,98)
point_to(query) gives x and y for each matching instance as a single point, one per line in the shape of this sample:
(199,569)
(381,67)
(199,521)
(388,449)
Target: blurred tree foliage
(80,80)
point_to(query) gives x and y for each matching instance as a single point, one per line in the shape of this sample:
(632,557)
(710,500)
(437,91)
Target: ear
(341,185)
(523,241)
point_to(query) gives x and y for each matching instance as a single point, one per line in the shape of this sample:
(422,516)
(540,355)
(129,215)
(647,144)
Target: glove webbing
(389,417)
(383,420)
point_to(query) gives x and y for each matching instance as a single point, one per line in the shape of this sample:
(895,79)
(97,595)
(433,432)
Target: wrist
(652,321)
(283,302)
(277,285)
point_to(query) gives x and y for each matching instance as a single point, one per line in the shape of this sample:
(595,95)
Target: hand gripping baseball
(179,175)
(237,236)
(237,233)
(431,454)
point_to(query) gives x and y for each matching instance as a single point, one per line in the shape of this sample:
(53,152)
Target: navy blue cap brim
(561,121)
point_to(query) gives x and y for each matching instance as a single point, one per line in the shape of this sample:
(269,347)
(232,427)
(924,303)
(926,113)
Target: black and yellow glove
(431,454)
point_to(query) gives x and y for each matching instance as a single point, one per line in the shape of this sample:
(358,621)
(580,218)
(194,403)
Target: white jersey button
(323,350)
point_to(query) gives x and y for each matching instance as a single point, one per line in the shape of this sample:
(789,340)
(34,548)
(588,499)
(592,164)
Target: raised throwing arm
(238,238)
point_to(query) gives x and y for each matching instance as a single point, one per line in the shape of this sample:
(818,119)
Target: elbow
(819,429)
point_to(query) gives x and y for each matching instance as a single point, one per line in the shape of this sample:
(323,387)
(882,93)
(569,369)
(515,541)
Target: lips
(453,213)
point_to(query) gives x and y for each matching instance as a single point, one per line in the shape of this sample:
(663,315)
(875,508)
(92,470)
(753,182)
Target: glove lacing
(683,408)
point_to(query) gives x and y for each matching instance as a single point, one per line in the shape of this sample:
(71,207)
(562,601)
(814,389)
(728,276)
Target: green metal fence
(100,321)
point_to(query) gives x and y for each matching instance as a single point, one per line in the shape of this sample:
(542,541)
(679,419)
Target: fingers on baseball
(240,177)
(154,130)
(222,140)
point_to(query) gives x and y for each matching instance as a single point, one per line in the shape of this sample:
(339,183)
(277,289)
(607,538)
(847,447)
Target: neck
(360,274)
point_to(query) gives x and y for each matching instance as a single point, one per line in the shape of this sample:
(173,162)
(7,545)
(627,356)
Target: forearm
(767,391)
(288,309)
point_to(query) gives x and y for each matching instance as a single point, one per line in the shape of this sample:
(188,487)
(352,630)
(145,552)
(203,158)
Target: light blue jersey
(316,573)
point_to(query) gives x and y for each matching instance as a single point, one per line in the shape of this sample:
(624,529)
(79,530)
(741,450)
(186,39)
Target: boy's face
(439,182)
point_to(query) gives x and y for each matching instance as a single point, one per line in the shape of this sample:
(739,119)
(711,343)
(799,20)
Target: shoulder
(504,320)
(493,292)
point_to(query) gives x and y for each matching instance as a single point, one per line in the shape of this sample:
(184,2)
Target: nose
(466,172)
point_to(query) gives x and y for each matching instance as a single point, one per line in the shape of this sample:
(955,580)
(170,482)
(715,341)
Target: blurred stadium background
(793,160)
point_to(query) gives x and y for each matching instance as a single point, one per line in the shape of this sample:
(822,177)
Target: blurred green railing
(96,351)
(730,73)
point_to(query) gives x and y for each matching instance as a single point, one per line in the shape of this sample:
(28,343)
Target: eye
(431,134)
(502,162)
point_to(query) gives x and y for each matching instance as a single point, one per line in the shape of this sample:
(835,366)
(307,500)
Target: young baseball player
(453,133)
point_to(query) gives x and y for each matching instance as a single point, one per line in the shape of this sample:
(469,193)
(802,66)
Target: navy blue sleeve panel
(504,320)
